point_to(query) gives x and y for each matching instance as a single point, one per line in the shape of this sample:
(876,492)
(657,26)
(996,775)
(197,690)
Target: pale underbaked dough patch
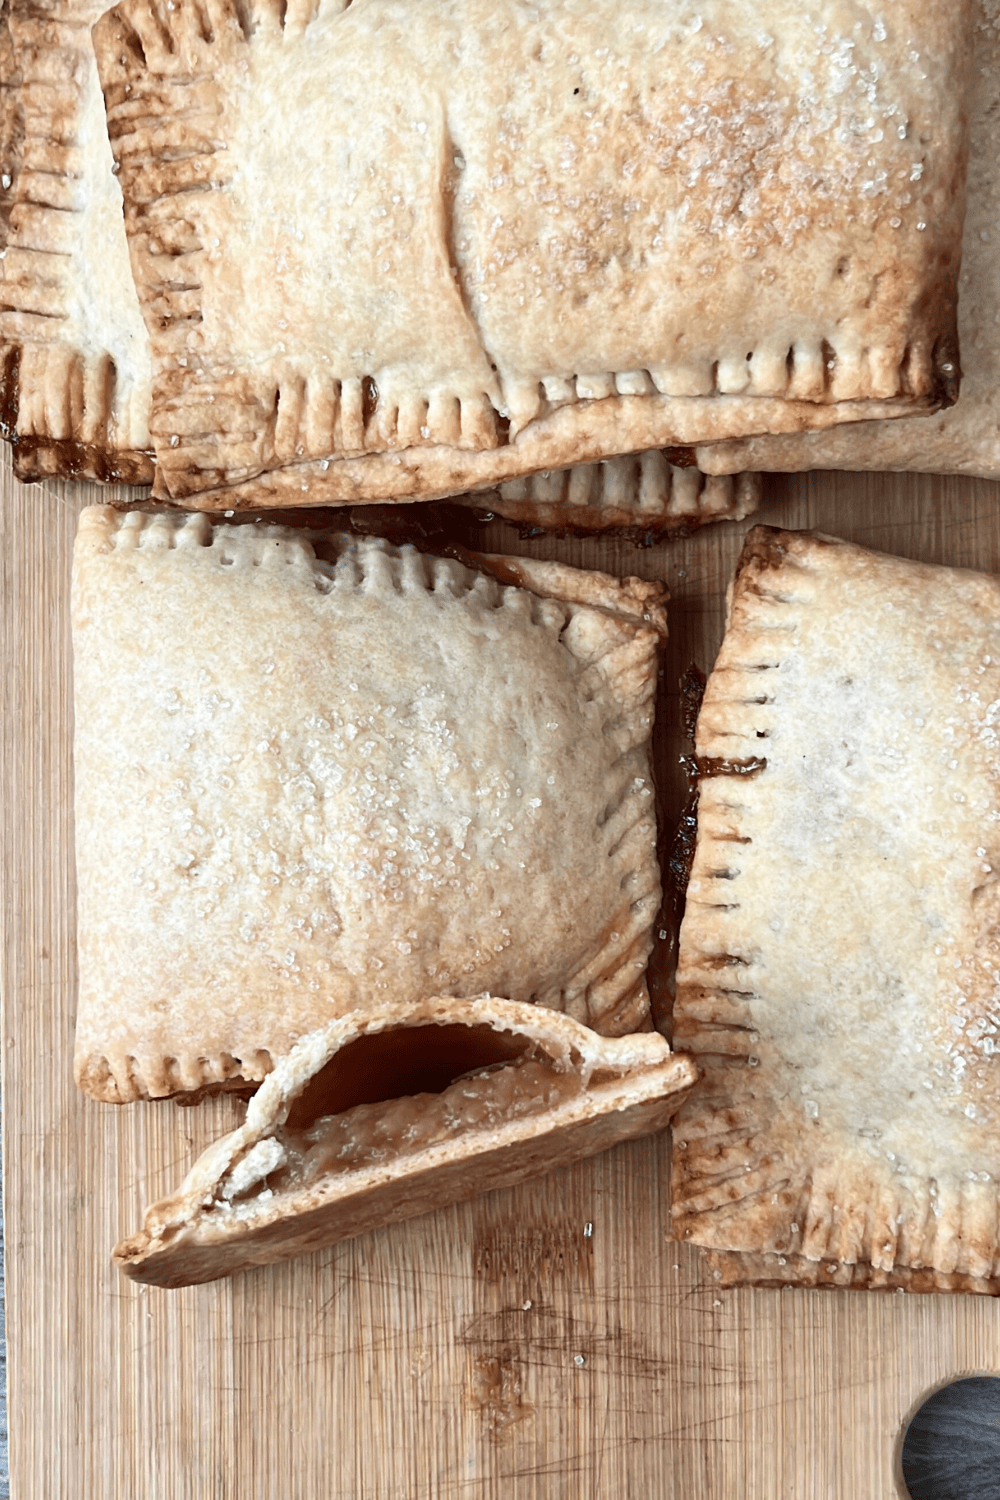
(231,1212)
(74,357)
(839,966)
(731,219)
(966,438)
(319,775)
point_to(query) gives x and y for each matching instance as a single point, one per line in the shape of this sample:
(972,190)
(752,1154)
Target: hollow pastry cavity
(383,1117)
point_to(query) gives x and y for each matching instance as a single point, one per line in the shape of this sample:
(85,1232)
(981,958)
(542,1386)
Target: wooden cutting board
(542,1343)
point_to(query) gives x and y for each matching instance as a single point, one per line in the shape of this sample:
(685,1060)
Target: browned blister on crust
(74,357)
(377,1118)
(316,773)
(619,247)
(837,976)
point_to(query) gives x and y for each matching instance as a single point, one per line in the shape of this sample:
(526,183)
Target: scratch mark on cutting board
(547,1337)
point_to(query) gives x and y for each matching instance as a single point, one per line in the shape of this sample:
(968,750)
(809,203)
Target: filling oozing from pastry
(399,1092)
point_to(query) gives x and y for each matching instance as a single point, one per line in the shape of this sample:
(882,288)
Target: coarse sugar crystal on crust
(728,219)
(317,773)
(839,964)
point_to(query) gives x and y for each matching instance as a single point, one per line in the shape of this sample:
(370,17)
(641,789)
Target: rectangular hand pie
(965,439)
(317,775)
(838,966)
(381,1116)
(74,357)
(388,250)
(74,353)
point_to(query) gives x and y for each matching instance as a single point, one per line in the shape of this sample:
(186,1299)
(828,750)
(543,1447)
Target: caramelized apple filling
(369,1133)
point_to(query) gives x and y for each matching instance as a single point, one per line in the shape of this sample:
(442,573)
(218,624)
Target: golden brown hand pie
(74,354)
(316,774)
(378,1118)
(74,357)
(838,967)
(397,251)
(965,439)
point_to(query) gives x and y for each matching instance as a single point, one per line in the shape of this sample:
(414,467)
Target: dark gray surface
(951,1450)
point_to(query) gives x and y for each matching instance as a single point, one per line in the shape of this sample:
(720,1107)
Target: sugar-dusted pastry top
(317,775)
(627,225)
(965,439)
(353,1088)
(838,974)
(74,356)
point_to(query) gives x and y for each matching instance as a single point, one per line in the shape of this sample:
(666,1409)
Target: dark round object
(951,1449)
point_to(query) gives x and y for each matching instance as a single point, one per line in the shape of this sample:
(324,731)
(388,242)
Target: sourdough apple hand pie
(390,250)
(74,356)
(839,966)
(381,1117)
(316,774)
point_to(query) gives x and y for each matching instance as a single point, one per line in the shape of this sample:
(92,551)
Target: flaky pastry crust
(638,490)
(735,219)
(965,439)
(837,974)
(74,358)
(70,409)
(71,406)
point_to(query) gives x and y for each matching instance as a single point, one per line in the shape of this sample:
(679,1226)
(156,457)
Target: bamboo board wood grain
(542,1343)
